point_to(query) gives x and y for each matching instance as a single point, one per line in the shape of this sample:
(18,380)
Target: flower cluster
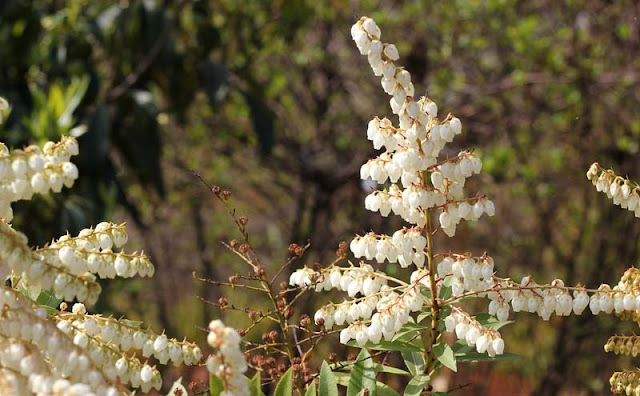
(35,171)
(626,382)
(36,273)
(108,340)
(468,329)
(46,353)
(419,184)
(91,251)
(405,246)
(227,363)
(623,345)
(412,149)
(467,273)
(623,192)
(68,353)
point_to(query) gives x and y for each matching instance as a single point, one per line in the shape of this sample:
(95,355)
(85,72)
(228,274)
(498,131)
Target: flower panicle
(35,170)
(36,273)
(29,323)
(624,192)
(227,362)
(92,251)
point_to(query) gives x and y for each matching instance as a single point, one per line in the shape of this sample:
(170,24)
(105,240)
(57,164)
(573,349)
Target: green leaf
(383,389)
(380,368)
(383,345)
(423,315)
(386,390)
(254,385)
(414,362)
(177,389)
(416,385)
(483,357)
(347,365)
(363,375)
(132,323)
(328,385)
(285,385)
(311,389)
(445,355)
(216,386)
(442,394)
(490,321)
(446,291)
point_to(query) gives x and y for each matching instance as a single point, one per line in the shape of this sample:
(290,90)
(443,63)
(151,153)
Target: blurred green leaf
(363,375)
(285,385)
(254,385)
(445,355)
(415,387)
(216,386)
(327,385)
(414,362)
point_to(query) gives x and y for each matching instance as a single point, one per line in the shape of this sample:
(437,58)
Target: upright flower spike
(422,188)
(419,184)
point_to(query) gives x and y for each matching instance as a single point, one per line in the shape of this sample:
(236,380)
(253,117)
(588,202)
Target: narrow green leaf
(483,357)
(446,291)
(177,389)
(399,346)
(416,385)
(414,362)
(285,386)
(445,355)
(342,379)
(328,385)
(386,390)
(383,389)
(423,315)
(380,368)
(490,321)
(363,375)
(254,385)
(216,386)
(132,323)
(311,389)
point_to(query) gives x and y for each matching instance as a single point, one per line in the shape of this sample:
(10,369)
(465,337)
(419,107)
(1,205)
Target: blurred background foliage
(270,100)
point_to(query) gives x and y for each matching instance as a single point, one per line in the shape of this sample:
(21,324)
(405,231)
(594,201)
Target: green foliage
(216,386)
(328,385)
(416,385)
(363,375)
(414,362)
(311,389)
(445,355)
(285,385)
(255,386)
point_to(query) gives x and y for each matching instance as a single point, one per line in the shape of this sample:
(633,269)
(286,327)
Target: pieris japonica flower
(108,340)
(41,349)
(227,362)
(68,353)
(422,187)
(35,171)
(623,192)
